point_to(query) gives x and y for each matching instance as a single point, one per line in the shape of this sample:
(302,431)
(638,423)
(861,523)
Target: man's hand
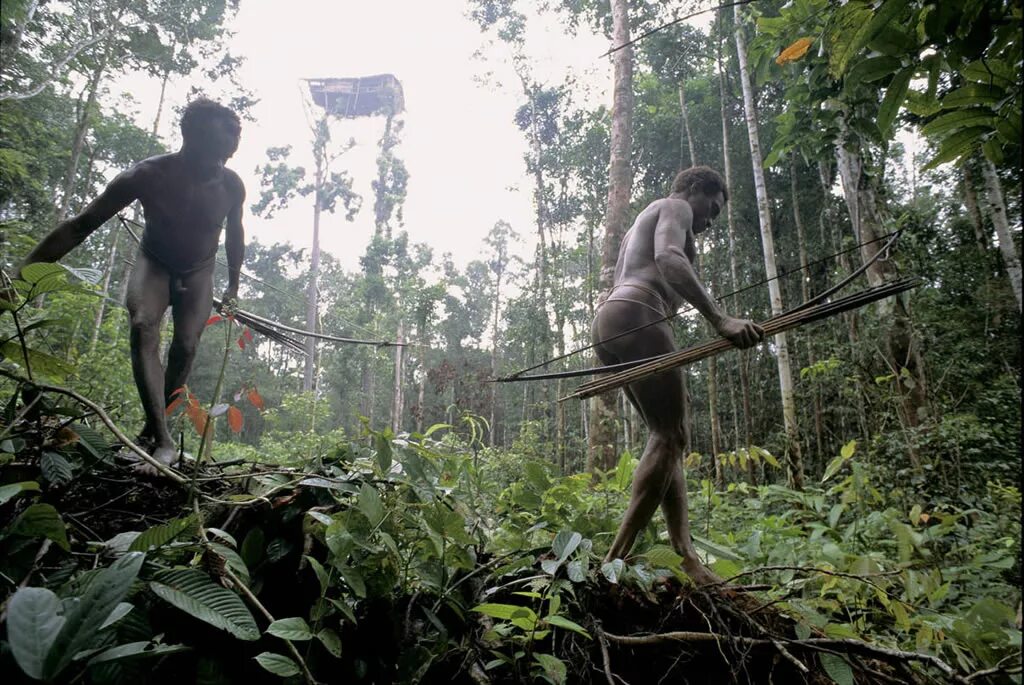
(229,302)
(741,332)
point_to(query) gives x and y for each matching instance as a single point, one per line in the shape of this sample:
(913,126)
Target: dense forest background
(865,469)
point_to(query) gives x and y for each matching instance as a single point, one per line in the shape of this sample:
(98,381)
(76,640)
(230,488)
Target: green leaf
(370,504)
(872,69)
(995,72)
(832,468)
(8,492)
(136,650)
(836,668)
(41,363)
(957,145)
(330,640)
(252,547)
(198,595)
(101,598)
(565,544)
(973,94)
(958,119)
(575,570)
(42,521)
(32,625)
(612,570)
(294,628)
(717,550)
(554,667)
(848,449)
(853,26)
(354,579)
(119,612)
(895,94)
(384,457)
(278,664)
(160,535)
(562,622)
(662,556)
(505,611)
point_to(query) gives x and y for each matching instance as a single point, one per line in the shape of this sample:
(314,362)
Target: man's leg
(192,300)
(659,478)
(148,297)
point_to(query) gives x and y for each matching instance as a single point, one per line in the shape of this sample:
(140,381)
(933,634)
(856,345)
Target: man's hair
(201,112)
(700,179)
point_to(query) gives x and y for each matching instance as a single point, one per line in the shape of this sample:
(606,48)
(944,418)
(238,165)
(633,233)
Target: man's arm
(674,221)
(234,240)
(69,234)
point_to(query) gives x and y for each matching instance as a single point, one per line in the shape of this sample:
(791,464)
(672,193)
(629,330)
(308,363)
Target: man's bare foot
(699,573)
(165,454)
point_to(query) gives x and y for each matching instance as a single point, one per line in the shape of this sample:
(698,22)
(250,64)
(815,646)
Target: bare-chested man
(653,276)
(186,196)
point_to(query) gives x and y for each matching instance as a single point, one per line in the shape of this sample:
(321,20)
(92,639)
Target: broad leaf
(198,595)
(330,640)
(10,491)
(277,664)
(612,570)
(160,535)
(370,504)
(42,521)
(895,94)
(294,628)
(563,622)
(101,598)
(565,544)
(32,625)
(137,650)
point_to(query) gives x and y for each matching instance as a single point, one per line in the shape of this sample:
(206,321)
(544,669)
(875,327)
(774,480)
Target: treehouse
(358,97)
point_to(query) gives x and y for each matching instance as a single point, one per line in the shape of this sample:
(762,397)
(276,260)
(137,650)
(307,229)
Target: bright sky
(462,149)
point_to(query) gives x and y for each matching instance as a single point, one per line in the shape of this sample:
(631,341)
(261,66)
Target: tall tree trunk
(743,356)
(105,292)
(866,218)
(997,214)
(684,115)
(81,131)
(620,187)
(494,348)
(312,292)
(973,210)
(397,399)
(805,292)
(794,460)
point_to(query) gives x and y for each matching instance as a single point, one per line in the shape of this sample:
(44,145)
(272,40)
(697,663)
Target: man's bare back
(187,197)
(654,275)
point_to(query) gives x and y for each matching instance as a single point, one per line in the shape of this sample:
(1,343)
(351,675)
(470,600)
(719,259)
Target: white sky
(462,149)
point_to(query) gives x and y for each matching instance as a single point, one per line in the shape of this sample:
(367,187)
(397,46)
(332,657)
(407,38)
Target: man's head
(210,130)
(704,189)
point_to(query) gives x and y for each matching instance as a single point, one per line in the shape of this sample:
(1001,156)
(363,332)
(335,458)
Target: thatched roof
(357,97)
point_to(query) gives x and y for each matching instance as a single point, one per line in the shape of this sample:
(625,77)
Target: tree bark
(81,131)
(620,187)
(973,210)
(312,292)
(794,461)
(741,359)
(397,399)
(901,352)
(805,292)
(997,214)
(686,123)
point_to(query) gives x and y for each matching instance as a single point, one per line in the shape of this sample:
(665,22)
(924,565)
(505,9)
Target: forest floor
(673,632)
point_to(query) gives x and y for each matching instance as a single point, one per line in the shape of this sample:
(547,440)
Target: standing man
(654,275)
(186,196)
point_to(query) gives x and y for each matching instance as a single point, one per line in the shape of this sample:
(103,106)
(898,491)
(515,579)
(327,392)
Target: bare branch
(55,69)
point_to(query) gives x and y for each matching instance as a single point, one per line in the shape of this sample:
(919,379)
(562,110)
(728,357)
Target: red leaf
(173,405)
(178,391)
(241,342)
(247,334)
(235,419)
(255,399)
(198,416)
(213,319)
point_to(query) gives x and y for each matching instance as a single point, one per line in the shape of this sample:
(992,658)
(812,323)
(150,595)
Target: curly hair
(700,179)
(200,112)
